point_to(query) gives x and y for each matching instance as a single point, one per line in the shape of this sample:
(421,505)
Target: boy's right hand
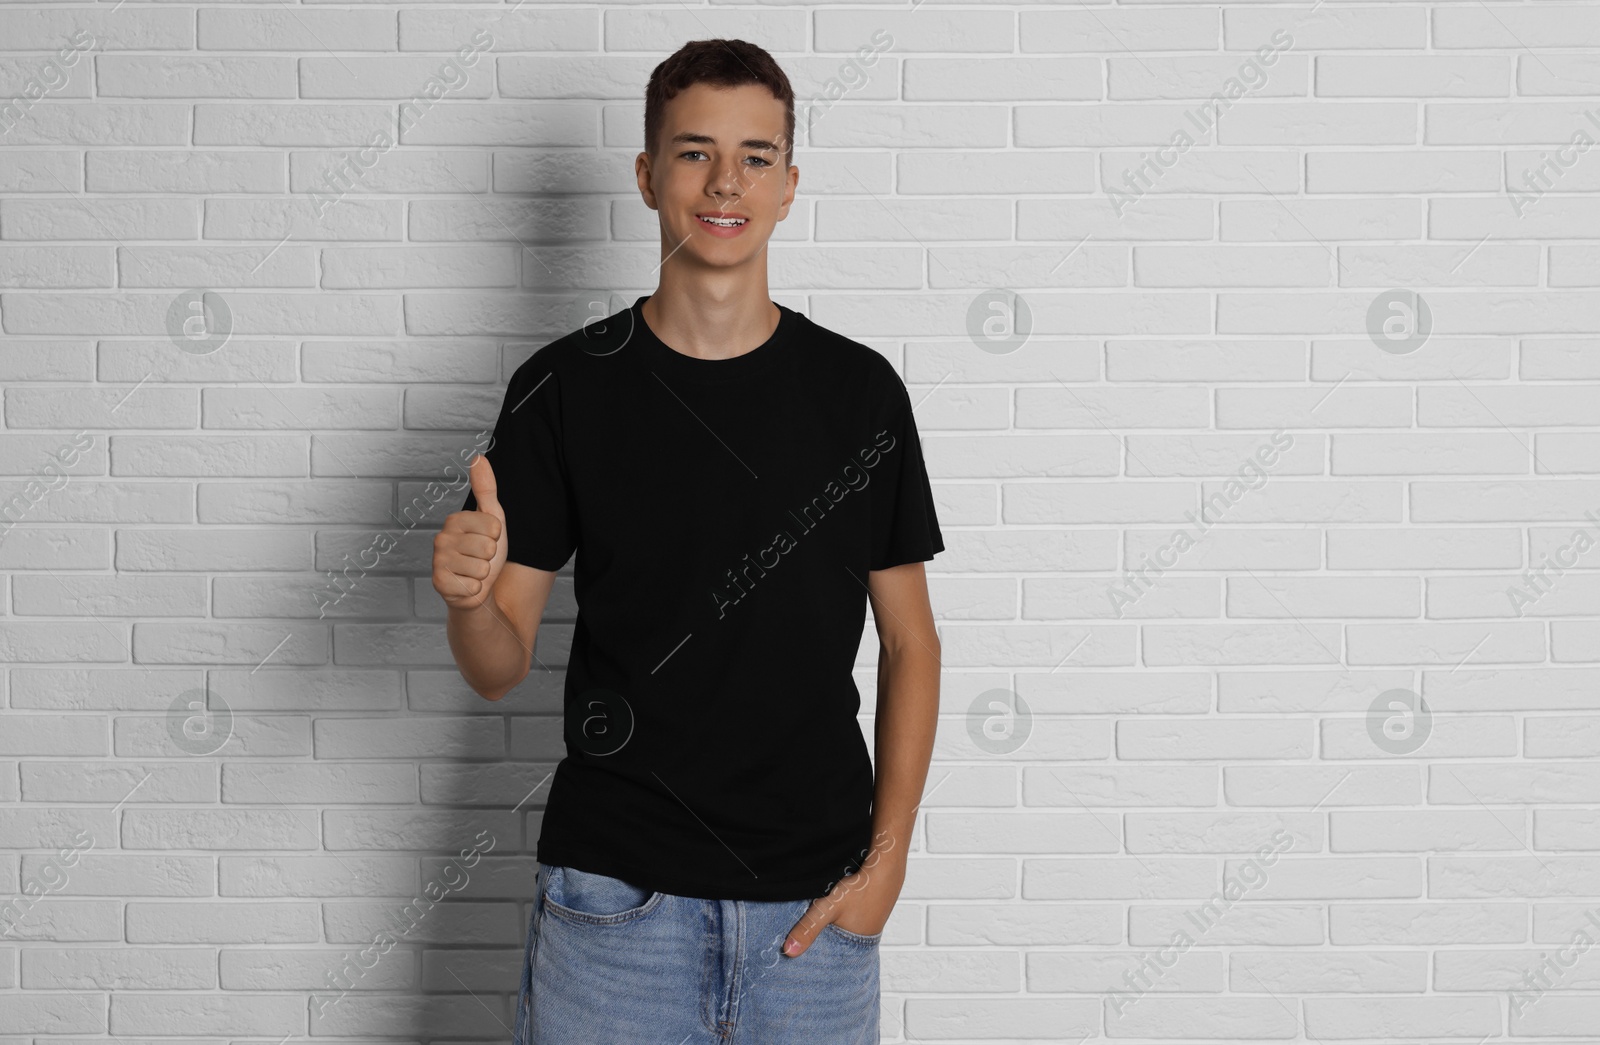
(470,550)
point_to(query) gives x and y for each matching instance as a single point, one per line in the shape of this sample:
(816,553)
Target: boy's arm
(907,709)
(493,644)
(905,531)
(908,713)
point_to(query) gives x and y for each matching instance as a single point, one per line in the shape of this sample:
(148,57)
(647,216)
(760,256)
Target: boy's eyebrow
(692,138)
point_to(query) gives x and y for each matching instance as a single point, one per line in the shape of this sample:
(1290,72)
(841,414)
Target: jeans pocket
(858,939)
(596,899)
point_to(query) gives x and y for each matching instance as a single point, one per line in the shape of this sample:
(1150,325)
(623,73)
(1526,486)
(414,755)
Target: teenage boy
(737,482)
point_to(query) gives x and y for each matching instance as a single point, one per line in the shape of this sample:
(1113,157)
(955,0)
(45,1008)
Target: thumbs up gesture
(470,550)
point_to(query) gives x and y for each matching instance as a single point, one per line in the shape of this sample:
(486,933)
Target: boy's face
(720,155)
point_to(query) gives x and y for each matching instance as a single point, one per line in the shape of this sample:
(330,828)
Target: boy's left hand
(860,903)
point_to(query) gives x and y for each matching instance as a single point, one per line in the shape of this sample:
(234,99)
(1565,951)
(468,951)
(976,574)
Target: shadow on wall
(434,948)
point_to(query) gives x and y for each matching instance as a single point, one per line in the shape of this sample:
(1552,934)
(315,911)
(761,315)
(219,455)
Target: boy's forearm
(487,651)
(903,732)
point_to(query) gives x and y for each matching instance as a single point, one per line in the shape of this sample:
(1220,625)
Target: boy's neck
(711,322)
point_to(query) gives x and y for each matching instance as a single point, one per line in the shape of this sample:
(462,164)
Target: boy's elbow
(901,645)
(498,692)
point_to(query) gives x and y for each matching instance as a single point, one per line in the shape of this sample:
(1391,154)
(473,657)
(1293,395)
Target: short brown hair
(721,63)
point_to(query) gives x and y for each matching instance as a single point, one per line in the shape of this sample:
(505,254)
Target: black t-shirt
(725,514)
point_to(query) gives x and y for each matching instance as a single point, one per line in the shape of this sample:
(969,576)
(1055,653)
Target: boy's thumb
(484,490)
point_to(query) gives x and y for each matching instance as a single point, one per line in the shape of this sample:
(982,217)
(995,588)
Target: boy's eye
(697,152)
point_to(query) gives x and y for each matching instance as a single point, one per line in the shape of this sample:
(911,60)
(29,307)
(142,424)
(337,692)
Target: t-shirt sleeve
(905,527)
(530,471)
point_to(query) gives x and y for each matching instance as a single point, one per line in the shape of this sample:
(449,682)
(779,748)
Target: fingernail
(791,946)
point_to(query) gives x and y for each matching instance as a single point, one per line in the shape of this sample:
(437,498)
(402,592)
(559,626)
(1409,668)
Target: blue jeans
(609,963)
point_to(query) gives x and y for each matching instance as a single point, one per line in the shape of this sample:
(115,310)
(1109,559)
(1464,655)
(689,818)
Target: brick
(103,872)
(184,267)
(292,124)
(234,644)
(423,919)
(142,76)
(210,1014)
(406,829)
(43,596)
(347,217)
(413,1015)
(41,170)
(411,360)
(347,689)
(248,736)
(319,783)
(55,917)
(183,171)
(41,29)
(284,968)
(398,171)
(388,267)
(496,970)
(55,1012)
(232,29)
(321,875)
(55,828)
(107,218)
(289,830)
(223,550)
(50,267)
(399,79)
(492,877)
(537,29)
(221,922)
(53,735)
(100,688)
(1108,30)
(117,781)
(350,738)
(119,969)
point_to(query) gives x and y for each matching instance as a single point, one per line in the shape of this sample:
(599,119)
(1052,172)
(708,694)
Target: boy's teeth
(727,222)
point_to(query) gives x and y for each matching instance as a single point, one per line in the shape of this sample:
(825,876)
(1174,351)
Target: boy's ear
(641,173)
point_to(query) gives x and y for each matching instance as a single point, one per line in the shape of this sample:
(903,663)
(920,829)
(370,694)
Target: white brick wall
(1211,331)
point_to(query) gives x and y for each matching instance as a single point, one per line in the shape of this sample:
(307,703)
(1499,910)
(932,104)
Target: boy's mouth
(722,226)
